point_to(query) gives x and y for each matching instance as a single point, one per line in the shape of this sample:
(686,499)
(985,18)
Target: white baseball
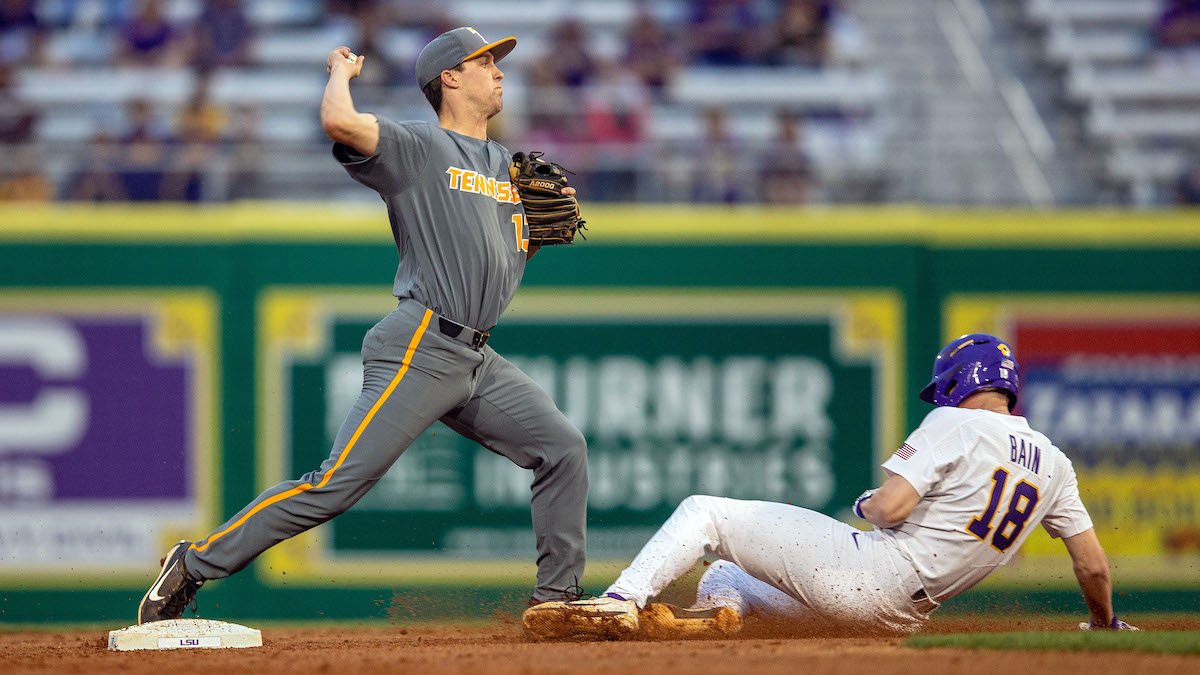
(352,58)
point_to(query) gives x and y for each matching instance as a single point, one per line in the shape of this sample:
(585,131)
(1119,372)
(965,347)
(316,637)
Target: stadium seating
(81,90)
(1136,108)
(1139,105)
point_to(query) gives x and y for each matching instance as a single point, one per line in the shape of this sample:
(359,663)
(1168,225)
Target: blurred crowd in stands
(142,152)
(597,108)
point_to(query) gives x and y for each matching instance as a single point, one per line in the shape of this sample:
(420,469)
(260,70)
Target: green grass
(271,624)
(1162,642)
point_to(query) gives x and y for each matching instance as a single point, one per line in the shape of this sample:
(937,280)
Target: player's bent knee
(703,503)
(570,448)
(339,495)
(719,570)
(723,571)
(721,566)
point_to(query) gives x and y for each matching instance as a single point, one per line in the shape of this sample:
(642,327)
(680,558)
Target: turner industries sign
(743,405)
(658,431)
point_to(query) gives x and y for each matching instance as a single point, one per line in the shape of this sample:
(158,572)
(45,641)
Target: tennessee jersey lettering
(471,181)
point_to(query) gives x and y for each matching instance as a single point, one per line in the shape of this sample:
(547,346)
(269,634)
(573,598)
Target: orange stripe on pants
(304,487)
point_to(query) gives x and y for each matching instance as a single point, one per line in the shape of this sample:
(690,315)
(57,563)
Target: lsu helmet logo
(1004,349)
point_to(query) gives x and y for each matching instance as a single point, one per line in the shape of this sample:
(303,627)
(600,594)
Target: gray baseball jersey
(460,231)
(458,224)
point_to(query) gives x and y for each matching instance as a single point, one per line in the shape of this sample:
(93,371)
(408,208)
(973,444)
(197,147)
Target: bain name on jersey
(471,181)
(1027,455)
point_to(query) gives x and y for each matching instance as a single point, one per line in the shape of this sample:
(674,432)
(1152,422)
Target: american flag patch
(906,451)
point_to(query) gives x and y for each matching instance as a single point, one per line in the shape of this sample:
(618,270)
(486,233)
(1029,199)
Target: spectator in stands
(21,34)
(567,61)
(245,147)
(1179,24)
(25,183)
(1187,188)
(184,177)
(1177,35)
(143,154)
(716,175)
(651,53)
(97,180)
(786,169)
(17,116)
(201,118)
(615,112)
(430,17)
(349,9)
(149,39)
(556,76)
(800,34)
(385,70)
(200,124)
(615,107)
(1177,39)
(221,35)
(723,32)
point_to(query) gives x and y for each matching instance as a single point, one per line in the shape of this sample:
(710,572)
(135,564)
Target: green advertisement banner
(756,353)
(750,393)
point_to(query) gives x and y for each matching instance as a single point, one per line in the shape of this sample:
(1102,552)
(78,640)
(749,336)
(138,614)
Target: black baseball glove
(553,218)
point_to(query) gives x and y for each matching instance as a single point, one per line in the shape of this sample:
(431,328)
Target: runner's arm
(1091,570)
(891,504)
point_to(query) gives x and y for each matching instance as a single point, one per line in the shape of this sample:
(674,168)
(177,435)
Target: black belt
(465,334)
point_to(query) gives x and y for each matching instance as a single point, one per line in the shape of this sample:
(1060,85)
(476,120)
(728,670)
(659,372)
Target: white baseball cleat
(606,617)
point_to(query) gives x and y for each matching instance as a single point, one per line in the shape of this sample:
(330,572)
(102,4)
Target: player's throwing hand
(345,61)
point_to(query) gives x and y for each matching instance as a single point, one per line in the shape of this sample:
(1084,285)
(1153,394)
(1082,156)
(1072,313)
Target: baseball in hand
(352,58)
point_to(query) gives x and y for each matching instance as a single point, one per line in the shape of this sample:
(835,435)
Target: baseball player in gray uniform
(460,230)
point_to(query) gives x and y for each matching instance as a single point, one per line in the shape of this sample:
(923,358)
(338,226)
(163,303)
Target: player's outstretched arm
(889,505)
(340,121)
(1091,569)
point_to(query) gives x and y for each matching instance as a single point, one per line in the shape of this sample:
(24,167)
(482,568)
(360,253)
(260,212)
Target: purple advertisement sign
(113,425)
(101,413)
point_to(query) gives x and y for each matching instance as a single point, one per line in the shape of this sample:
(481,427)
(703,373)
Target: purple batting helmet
(968,364)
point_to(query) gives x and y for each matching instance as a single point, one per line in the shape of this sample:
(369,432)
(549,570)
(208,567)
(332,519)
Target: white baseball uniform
(985,481)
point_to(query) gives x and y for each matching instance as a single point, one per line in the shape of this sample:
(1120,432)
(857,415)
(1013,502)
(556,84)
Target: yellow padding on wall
(619,224)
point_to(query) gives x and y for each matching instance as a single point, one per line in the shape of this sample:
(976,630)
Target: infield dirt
(499,647)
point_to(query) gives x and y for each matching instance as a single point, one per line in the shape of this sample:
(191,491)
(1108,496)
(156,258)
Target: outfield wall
(162,366)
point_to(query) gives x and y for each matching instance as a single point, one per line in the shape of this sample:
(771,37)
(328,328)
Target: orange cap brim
(499,49)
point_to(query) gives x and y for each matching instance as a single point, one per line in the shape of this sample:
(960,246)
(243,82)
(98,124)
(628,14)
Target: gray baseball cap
(455,46)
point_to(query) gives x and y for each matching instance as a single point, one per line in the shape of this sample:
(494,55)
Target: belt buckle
(479,339)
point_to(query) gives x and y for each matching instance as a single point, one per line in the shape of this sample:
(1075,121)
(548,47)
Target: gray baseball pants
(413,376)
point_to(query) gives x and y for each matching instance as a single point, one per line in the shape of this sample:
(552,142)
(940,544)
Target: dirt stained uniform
(460,231)
(985,480)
